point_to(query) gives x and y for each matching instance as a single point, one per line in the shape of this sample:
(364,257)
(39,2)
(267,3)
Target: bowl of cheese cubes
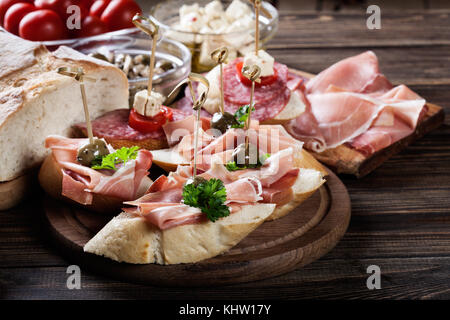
(205,25)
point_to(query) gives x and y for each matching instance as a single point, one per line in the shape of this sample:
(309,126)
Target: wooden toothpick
(220,55)
(154,35)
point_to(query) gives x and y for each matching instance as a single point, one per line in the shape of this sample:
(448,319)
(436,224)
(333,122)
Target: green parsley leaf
(109,162)
(209,197)
(241,116)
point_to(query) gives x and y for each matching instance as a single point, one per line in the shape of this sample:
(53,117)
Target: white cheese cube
(263,60)
(236,10)
(213,10)
(192,21)
(154,103)
(186,9)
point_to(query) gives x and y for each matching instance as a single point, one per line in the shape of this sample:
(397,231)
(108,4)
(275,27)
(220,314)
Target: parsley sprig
(122,155)
(209,197)
(241,116)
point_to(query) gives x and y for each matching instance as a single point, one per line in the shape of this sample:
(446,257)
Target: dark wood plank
(403,28)
(408,278)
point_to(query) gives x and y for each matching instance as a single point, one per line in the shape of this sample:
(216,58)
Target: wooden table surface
(400,213)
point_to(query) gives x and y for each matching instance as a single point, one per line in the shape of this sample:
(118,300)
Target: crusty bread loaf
(130,239)
(35,101)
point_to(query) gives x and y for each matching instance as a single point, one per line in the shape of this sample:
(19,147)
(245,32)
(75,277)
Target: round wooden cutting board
(276,247)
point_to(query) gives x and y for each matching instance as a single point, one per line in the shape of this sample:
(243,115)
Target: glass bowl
(167,49)
(166,15)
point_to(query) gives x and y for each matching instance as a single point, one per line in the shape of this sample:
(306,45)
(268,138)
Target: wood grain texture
(274,248)
(400,212)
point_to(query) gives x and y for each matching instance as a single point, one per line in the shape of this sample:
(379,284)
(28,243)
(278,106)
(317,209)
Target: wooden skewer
(220,55)
(257,5)
(252,73)
(197,106)
(154,35)
(78,74)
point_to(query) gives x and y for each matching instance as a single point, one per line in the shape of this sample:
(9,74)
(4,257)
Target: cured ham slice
(355,74)
(80,182)
(176,130)
(163,207)
(351,102)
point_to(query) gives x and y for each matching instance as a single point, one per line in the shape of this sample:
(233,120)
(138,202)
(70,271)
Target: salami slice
(239,93)
(114,125)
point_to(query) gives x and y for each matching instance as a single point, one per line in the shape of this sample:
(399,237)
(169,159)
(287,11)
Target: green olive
(90,151)
(243,159)
(223,122)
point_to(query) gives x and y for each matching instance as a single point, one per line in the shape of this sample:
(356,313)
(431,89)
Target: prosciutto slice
(352,102)
(79,183)
(163,207)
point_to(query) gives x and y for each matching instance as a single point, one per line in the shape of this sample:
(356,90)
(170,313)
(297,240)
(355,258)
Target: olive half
(223,122)
(90,151)
(243,159)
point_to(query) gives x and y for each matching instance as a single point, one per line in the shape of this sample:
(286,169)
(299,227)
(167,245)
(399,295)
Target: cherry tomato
(119,13)
(4,6)
(149,124)
(98,7)
(87,3)
(14,15)
(42,25)
(264,80)
(60,7)
(91,26)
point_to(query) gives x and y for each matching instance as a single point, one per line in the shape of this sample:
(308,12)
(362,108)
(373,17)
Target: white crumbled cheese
(245,23)
(218,25)
(236,10)
(192,21)
(186,9)
(214,10)
(263,60)
(154,103)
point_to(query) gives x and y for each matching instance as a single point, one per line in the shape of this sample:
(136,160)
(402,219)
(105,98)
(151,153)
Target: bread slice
(130,239)
(35,101)
(292,110)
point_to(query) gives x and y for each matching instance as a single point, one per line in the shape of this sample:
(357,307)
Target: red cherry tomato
(42,25)
(14,15)
(4,6)
(264,80)
(98,7)
(149,124)
(87,3)
(91,26)
(60,7)
(119,13)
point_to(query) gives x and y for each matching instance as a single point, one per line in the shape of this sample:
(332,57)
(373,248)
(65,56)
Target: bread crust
(130,239)
(50,178)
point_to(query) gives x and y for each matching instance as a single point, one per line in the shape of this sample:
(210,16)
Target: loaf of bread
(36,101)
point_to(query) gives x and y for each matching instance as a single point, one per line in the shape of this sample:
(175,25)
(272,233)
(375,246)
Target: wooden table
(400,212)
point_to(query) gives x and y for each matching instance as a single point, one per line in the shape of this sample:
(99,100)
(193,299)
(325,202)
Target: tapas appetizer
(204,209)
(142,124)
(89,171)
(36,102)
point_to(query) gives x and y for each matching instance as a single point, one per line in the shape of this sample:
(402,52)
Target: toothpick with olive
(96,147)
(222,120)
(252,73)
(198,103)
(153,33)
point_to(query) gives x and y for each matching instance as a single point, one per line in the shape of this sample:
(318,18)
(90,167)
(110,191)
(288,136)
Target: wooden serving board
(344,159)
(276,247)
